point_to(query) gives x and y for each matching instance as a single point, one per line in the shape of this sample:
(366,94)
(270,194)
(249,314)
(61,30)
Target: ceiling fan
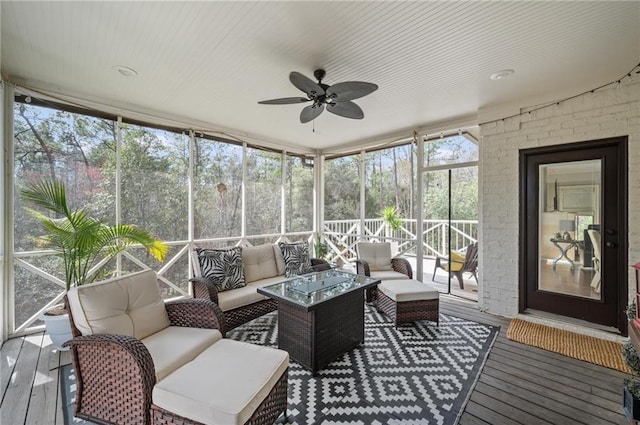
(337,98)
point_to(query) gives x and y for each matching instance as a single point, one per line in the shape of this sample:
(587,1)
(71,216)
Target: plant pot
(58,327)
(631,406)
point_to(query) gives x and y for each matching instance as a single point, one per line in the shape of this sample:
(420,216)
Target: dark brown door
(574,231)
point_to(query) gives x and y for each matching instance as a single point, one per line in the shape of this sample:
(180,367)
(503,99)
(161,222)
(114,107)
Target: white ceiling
(209,63)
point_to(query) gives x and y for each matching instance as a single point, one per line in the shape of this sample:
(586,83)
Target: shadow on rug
(415,374)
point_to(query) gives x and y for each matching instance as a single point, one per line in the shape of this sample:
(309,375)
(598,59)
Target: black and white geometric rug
(416,374)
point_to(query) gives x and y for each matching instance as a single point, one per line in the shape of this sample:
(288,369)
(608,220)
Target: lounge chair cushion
(456,263)
(259,262)
(223,385)
(175,346)
(127,305)
(388,275)
(408,290)
(377,255)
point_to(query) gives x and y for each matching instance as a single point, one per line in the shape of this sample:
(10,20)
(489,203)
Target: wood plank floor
(519,384)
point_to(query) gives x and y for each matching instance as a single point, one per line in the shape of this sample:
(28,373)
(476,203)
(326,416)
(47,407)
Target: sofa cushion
(244,296)
(277,252)
(175,346)
(127,305)
(223,267)
(259,262)
(296,258)
(223,385)
(378,255)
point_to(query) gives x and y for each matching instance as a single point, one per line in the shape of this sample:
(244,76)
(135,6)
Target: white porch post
(318,195)
(119,185)
(243,221)
(190,207)
(419,210)
(283,191)
(363,211)
(6,214)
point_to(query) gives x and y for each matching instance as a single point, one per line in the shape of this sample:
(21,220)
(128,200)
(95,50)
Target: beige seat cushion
(277,252)
(378,255)
(408,290)
(175,346)
(240,297)
(223,385)
(127,305)
(389,275)
(259,262)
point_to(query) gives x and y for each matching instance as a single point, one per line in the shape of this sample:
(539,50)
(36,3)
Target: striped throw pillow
(223,267)
(296,258)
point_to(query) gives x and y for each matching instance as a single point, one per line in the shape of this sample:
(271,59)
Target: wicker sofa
(263,265)
(139,360)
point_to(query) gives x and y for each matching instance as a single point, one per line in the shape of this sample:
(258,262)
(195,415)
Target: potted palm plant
(80,241)
(391,217)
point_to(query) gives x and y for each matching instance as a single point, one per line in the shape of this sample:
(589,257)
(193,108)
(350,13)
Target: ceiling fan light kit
(336,99)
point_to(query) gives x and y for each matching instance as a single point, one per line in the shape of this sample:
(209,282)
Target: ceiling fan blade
(346,109)
(311,112)
(284,101)
(305,84)
(350,90)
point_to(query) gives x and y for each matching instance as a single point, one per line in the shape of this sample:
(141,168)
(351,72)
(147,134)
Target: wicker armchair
(400,267)
(115,374)
(136,362)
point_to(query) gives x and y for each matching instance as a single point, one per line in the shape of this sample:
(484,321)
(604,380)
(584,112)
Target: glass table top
(314,288)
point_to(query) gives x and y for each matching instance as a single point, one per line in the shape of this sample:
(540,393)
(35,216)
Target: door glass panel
(569,228)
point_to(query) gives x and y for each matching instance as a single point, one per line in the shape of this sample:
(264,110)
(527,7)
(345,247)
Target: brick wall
(605,113)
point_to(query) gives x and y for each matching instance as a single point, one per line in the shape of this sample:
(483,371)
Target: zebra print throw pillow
(223,267)
(296,258)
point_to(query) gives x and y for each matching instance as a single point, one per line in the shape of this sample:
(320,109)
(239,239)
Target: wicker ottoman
(408,300)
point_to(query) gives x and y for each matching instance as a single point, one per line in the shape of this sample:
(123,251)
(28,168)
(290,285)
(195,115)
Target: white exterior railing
(341,236)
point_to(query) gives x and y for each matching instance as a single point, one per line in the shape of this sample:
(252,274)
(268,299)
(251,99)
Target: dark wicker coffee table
(320,315)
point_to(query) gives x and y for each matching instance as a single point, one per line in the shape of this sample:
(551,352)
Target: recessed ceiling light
(125,71)
(501,75)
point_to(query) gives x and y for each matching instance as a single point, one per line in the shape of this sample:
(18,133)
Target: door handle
(611,244)
(611,232)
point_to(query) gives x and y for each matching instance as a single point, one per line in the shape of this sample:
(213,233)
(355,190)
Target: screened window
(155,181)
(80,151)
(449,150)
(299,195)
(263,192)
(217,189)
(389,181)
(342,188)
